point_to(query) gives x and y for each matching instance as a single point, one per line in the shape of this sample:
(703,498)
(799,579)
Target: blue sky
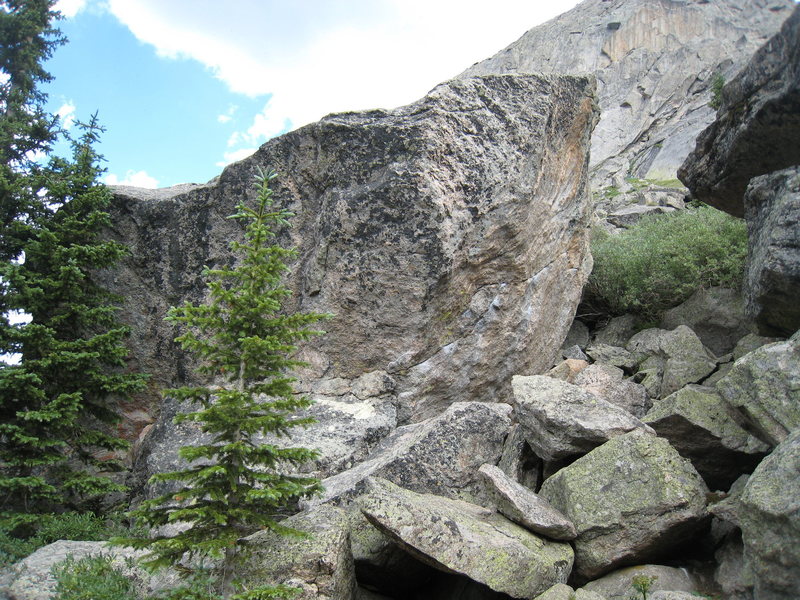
(185,87)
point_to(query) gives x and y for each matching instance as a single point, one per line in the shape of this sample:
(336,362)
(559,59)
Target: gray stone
(757,125)
(716,315)
(519,461)
(763,387)
(618,584)
(616,332)
(772,277)
(524,507)
(440,456)
(561,420)
(770,519)
(347,429)
(722,370)
(611,355)
(728,508)
(560,591)
(751,342)
(631,499)
(578,335)
(654,62)
(459,537)
(699,424)
(733,576)
(574,352)
(320,565)
(448,238)
(32,579)
(686,360)
(608,383)
(630,215)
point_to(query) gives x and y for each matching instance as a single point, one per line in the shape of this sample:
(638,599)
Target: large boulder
(447,237)
(715,314)
(770,521)
(677,357)
(772,279)
(654,62)
(32,577)
(440,456)
(757,125)
(618,584)
(346,431)
(699,424)
(319,565)
(562,420)
(459,537)
(522,506)
(608,382)
(763,387)
(631,500)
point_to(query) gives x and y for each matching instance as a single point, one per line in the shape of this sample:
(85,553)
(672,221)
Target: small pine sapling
(235,485)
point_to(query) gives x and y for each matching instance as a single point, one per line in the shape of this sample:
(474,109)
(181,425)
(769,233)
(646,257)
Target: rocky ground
(469,453)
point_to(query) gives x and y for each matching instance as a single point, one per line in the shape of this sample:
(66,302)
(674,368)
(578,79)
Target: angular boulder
(772,277)
(685,359)
(440,456)
(757,125)
(447,237)
(716,315)
(609,383)
(763,387)
(320,565)
(699,424)
(618,583)
(770,521)
(561,420)
(455,536)
(632,499)
(524,507)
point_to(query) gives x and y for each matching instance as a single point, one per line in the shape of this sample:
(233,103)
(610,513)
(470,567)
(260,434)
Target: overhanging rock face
(448,237)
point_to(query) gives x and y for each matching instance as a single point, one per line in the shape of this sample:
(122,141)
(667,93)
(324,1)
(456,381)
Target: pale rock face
(459,537)
(654,62)
(631,499)
(618,583)
(449,239)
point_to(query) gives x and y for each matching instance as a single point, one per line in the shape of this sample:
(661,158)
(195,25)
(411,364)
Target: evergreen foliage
(235,484)
(662,260)
(27,40)
(56,403)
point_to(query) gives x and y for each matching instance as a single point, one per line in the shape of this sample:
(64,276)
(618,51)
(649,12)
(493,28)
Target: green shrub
(664,259)
(717,83)
(91,578)
(21,537)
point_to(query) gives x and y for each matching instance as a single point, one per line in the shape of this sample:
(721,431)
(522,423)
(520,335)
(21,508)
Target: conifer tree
(56,403)
(237,485)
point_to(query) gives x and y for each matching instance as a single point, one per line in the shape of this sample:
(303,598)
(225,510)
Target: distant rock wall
(654,61)
(449,238)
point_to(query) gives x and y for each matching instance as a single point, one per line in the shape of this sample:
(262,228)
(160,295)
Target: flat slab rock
(440,456)
(456,536)
(562,420)
(630,499)
(668,579)
(526,508)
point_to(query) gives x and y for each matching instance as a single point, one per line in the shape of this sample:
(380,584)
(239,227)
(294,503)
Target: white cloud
(227,116)
(66,113)
(235,155)
(134,178)
(70,8)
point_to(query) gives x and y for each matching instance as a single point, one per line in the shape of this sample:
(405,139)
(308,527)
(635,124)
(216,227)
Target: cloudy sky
(185,87)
